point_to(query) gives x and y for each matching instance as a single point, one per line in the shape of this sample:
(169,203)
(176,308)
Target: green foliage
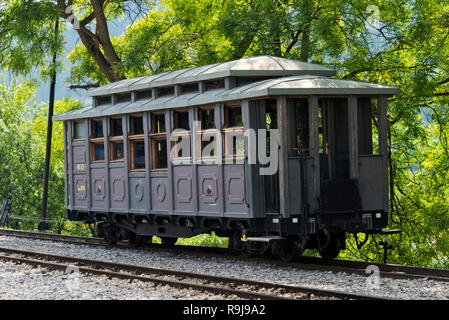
(27,37)
(203,240)
(23,130)
(19,165)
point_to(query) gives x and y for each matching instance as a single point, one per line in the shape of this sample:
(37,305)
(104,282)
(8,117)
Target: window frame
(299,127)
(93,140)
(103,98)
(220,80)
(207,132)
(75,130)
(226,114)
(133,138)
(232,131)
(186,133)
(115,139)
(138,94)
(158,91)
(181,91)
(132,124)
(156,136)
(92,128)
(200,116)
(119,96)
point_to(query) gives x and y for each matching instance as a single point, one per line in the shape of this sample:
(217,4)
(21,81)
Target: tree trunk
(106,58)
(305,43)
(102,34)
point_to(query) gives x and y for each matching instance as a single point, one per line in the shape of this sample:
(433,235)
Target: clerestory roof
(263,66)
(302,85)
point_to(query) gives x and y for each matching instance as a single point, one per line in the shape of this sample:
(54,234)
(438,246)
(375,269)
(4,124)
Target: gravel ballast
(357,284)
(25,282)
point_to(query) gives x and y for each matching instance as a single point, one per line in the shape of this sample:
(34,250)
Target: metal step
(265,238)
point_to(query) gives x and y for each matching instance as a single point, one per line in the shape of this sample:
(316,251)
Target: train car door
(334,139)
(300,172)
(339,193)
(271,182)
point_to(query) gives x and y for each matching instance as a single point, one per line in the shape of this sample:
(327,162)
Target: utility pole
(42,224)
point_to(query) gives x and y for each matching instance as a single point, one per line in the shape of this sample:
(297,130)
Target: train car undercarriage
(285,238)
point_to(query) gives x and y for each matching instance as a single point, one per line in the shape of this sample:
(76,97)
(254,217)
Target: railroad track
(53,237)
(305,263)
(242,288)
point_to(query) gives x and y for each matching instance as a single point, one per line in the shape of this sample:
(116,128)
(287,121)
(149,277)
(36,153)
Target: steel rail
(222,285)
(125,276)
(393,271)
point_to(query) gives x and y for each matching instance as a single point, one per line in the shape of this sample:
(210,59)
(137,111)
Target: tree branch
(84,86)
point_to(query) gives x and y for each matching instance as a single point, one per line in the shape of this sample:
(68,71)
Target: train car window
(165,91)
(116,151)
(375,127)
(97,141)
(97,151)
(180,138)
(80,130)
(208,134)
(233,117)
(214,84)
(101,101)
(137,154)
(208,145)
(234,144)
(321,134)
(189,88)
(181,146)
(242,81)
(271,120)
(97,129)
(158,123)
(122,98)
(144,94)
(367,125)
(136,125)
(298,116)
(181,119)
(207,118)
(136,143)
(159,152)
(116,127)
(158,142)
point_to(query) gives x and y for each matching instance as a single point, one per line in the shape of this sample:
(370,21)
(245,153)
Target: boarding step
(265,238)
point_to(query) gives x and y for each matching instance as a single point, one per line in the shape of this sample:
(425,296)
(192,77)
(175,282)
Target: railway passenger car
(324,173)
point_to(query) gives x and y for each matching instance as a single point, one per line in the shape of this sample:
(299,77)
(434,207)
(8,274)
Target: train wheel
(290,251)
(109,232)
(169,241)
(100,233)
(335,244)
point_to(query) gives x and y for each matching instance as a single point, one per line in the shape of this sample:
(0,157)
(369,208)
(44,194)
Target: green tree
(22,151)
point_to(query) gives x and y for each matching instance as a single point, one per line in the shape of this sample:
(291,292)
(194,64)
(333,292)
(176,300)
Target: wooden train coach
(276,154)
